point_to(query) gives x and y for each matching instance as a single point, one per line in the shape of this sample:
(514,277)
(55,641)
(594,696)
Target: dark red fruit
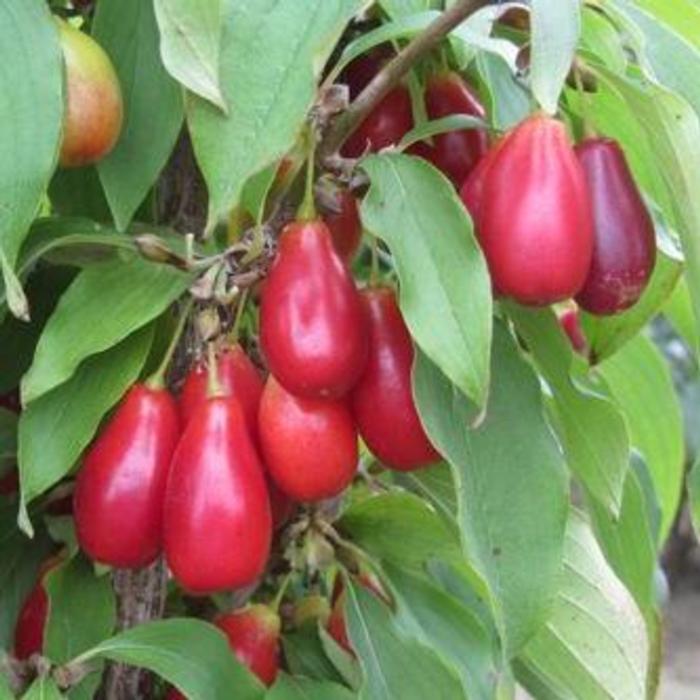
(29,628)
(624,245)
(11,401)
(472,191)
(382,401)
(254,637)
(344,224)
(358,73)
(9,483)
(312,327)
(535,224)
(309,445)
(238,377)
(385,126)
(571,325)
(455,153)
(120,488)
(217,522)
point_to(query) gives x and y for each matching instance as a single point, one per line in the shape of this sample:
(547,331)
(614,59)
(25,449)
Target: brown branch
(392,72)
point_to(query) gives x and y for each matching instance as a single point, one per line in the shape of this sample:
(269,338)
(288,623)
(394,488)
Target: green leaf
(29,138)
(435,485)
(269,91)
(79,192)
(511,484)
(190,44)
(401,8)
(43,688)
(190,654)
(556,25)
(304,655)
(679,311)
(343,662)
(592,429)
(629,543)
(104,305)
(393,667)
(296,688)
(694,496)
(82,610)
(508,102)
(5,692)
(55,429)
(153,106)
(415,210)
(594,644)
(399,528)
(455,122)
(441,622)
(21,559)
(654,418)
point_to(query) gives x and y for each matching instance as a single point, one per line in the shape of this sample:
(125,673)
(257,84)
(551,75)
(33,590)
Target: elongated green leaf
(508,102)
(555,34)
(82,610)
(679,311)
(5,692)
(654,418)
(79,192)
(304,655)
(55,429)
(399,528)
(401,8)
(153,106)
(454,122)
(31,75)
(272,53)
(435,485)
(191,654)
(694,496)
(594,644)
(434,618)
(104,305)
(445,293)
(629,543)
(21,559)
(393,667)
(298,688)
(511,484)
(592,429)
(43,688)
(190,44)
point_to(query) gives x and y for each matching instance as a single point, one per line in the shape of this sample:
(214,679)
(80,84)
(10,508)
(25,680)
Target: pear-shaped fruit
(94,110)
(382,401)
(455,153)
(344,224)
(534,221)
(118,500)
(624,245)
(309,445)
(217,521)
(313,330)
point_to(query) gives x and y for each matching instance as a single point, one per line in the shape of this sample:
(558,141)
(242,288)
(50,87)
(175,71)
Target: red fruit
(9,483)
(11,401)
(174,694)
(119,491)
(217,522)
(358,73)
(309,445)
(535,223)
(238,377)
(312,328)
(472,190)
(254,637)
(385,126)
(94,108)
(29,628)
(281,506)
(344,224)
(455,153)
(382,401)
(571,325)
(624,245)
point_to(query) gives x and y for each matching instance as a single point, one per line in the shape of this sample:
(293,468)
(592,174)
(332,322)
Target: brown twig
(392,73)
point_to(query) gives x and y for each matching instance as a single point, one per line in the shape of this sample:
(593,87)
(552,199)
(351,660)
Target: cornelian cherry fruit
(359,73)
(624,245)
(382,401)
(313,330)
(309,445)
(344,224)
(534,221)
(217,521)
(455,153)
(119,491)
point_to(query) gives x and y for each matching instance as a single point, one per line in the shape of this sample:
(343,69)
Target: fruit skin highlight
(624,243)
(534,223)
(309,446)
(94,110)
(382,401)
(217,520)
(119,491)
(313,330)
